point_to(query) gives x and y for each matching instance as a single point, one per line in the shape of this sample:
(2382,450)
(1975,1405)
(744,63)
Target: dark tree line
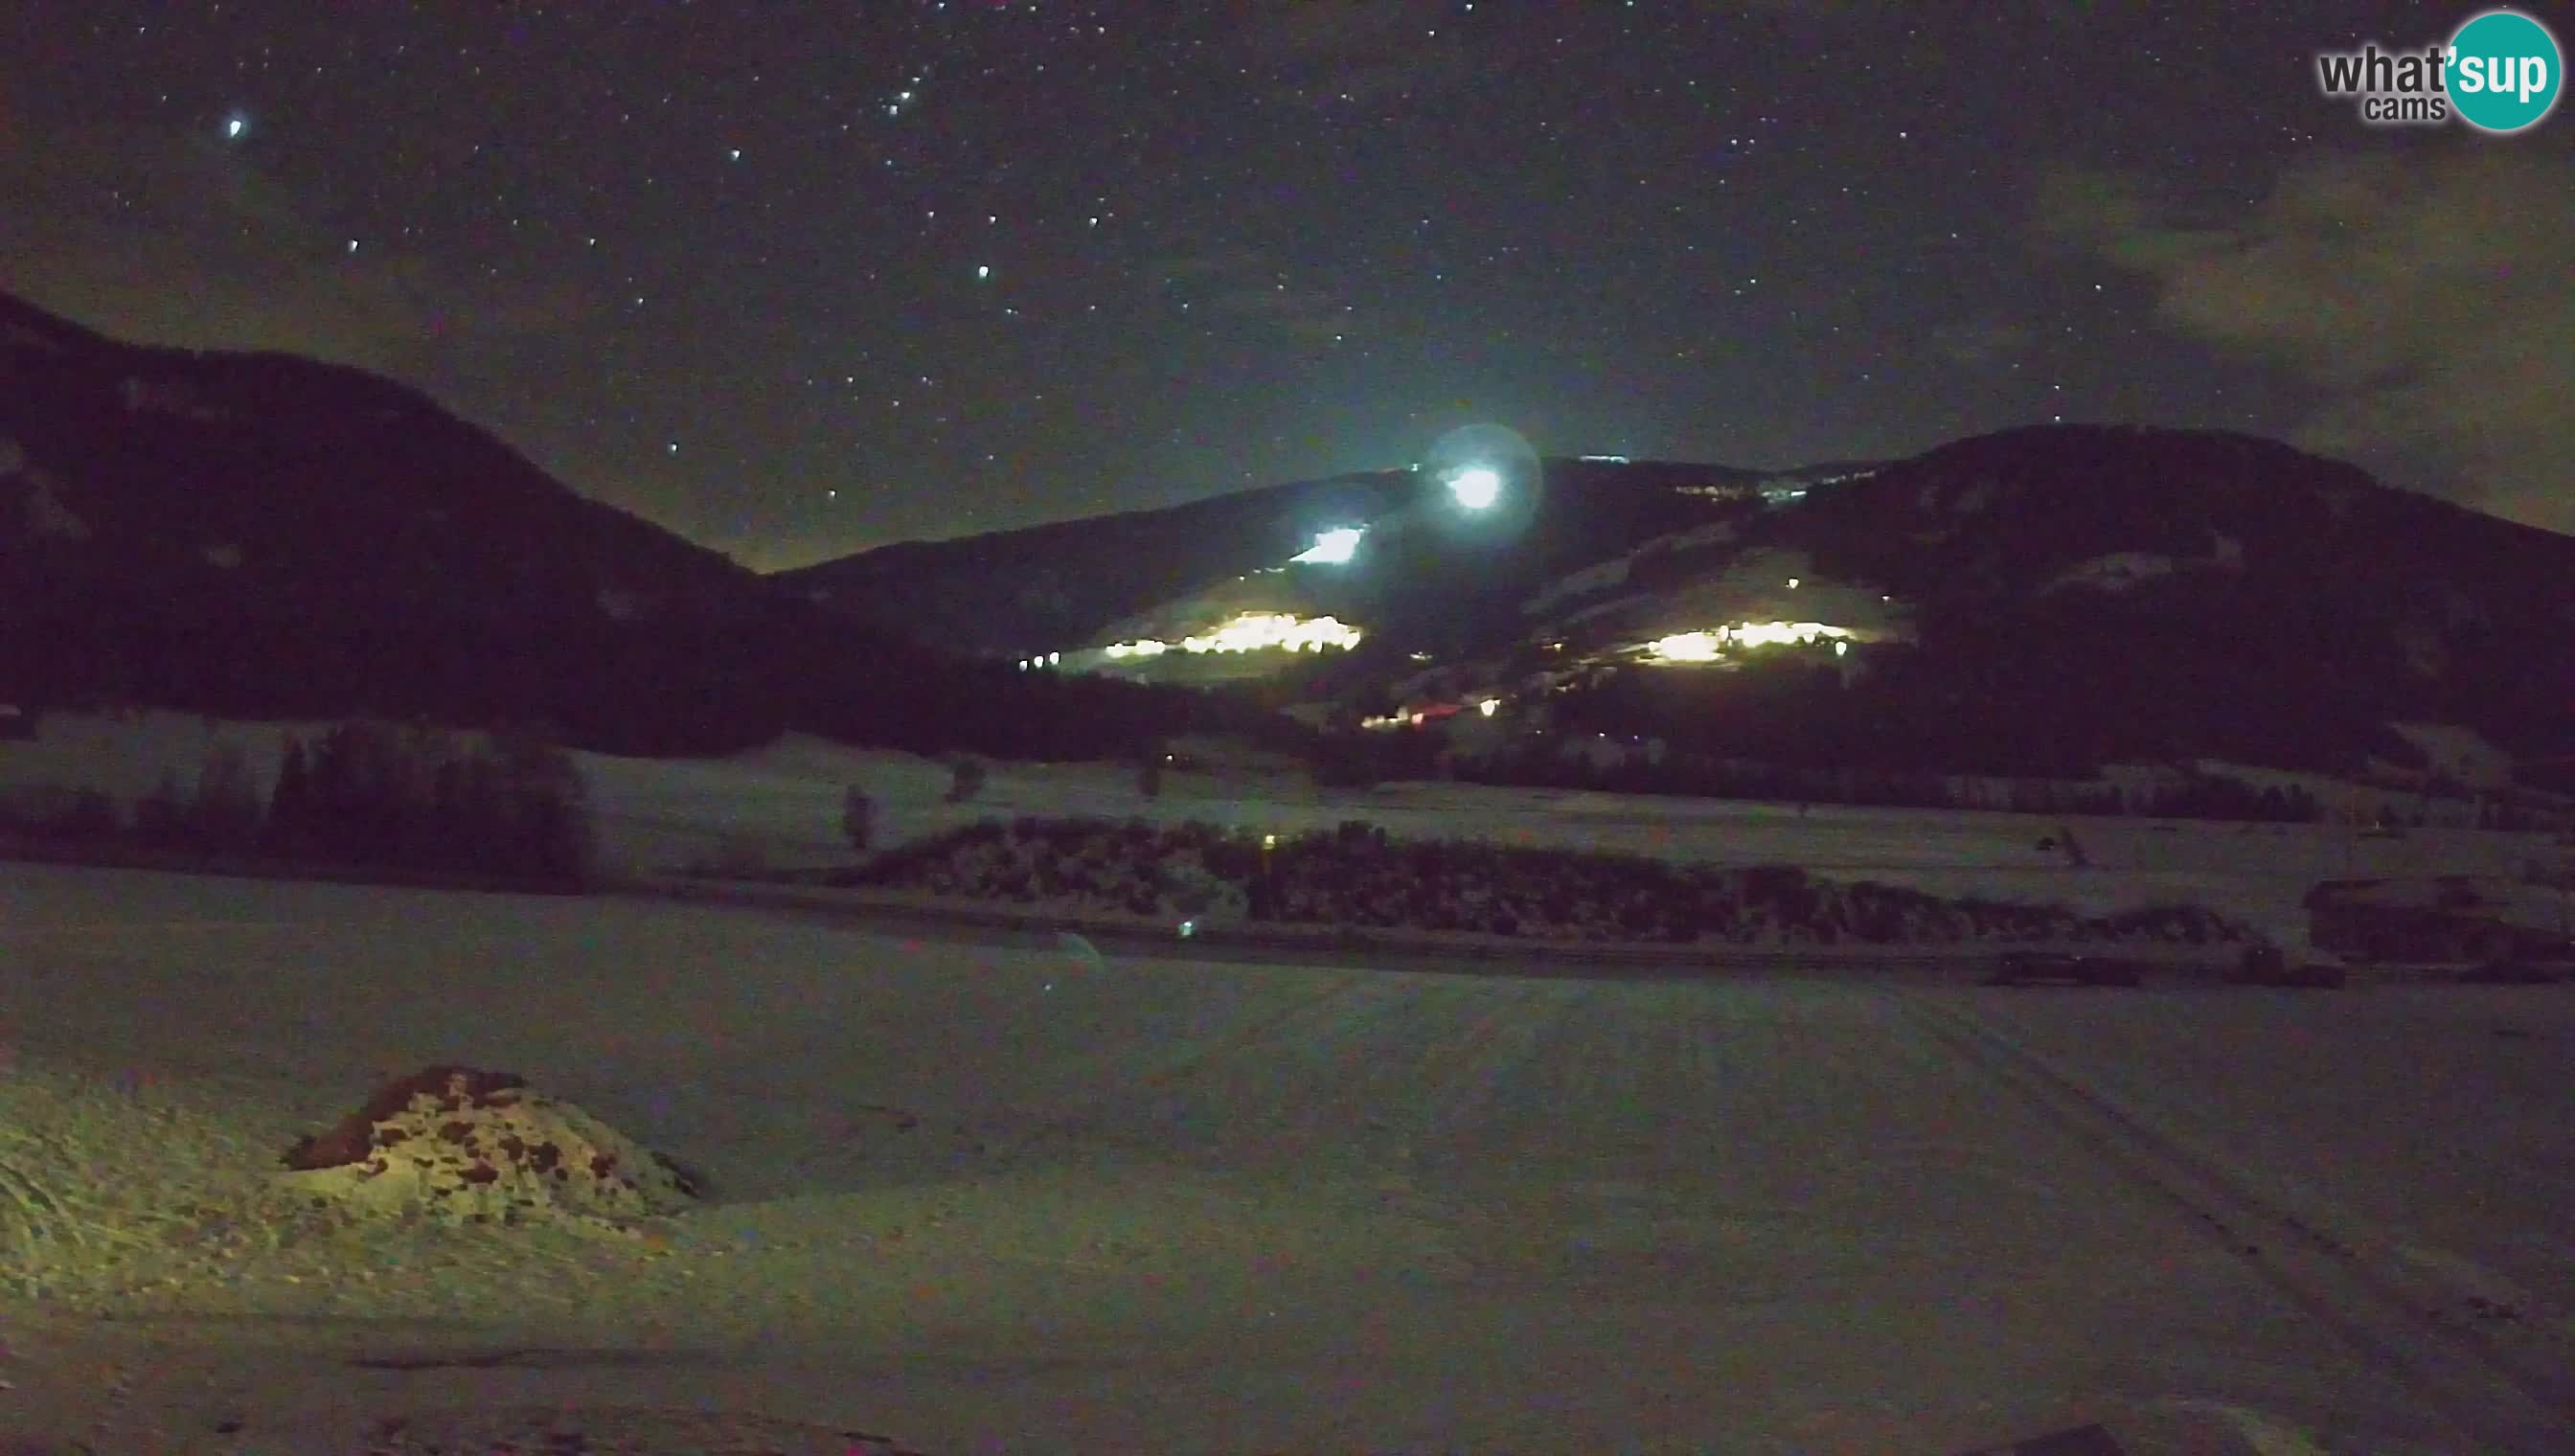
(366,794)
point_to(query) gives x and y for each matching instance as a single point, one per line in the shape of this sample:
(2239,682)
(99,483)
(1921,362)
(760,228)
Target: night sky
(799,279)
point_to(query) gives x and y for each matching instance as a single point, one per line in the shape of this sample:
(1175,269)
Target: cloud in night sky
(2427,306)
(184,240)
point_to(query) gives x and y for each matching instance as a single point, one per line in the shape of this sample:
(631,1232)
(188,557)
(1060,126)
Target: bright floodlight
(1334,547)
(1476,487)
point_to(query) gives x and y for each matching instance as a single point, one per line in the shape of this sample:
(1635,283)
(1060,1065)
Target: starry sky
(797,280)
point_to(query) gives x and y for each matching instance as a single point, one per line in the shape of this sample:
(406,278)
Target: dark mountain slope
(2202,591)
(1054,586)
(266,536)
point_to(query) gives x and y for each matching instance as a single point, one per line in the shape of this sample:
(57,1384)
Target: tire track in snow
(2510,1398)
(1315,1084)
(1381,1077)
(1463,1076)
(1098,1106)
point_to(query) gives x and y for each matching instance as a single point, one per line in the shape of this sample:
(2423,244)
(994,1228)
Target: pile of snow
(455,1144)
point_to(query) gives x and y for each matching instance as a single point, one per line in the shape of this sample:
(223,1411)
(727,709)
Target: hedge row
(1357,877)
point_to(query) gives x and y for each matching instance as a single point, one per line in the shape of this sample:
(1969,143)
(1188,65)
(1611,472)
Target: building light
(1489,706)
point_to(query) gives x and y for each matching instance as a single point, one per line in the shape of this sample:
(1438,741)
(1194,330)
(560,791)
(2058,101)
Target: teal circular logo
(2504,71)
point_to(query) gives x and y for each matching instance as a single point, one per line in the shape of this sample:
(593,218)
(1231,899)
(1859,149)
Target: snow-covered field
(998,1200)
(785,800)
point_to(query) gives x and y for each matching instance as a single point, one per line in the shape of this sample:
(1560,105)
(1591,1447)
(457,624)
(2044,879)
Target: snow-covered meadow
(783,802)
(995,1196)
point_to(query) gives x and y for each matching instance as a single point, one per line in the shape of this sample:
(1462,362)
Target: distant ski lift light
(1476,487)
(1332,547)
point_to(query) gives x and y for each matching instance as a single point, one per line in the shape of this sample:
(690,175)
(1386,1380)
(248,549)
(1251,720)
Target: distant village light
(1489,706)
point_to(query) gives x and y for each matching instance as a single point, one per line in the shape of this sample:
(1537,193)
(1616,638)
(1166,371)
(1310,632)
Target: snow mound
(458,1144)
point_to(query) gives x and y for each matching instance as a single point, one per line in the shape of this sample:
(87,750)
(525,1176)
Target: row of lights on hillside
(1041,659)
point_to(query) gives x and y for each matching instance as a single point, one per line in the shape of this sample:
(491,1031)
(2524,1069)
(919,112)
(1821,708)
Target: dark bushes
(1356,875)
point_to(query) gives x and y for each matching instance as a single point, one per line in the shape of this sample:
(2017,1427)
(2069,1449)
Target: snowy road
(992,1199)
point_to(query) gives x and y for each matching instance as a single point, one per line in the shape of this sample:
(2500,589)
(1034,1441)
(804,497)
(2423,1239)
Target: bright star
(235,126)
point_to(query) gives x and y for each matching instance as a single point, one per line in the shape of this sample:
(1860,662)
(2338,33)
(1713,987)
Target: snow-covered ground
(986,1198)
(785,799)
